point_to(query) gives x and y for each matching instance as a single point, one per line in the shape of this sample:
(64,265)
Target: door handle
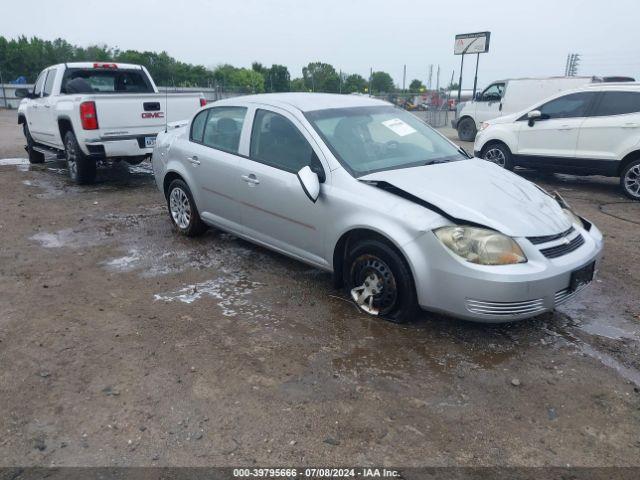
(630,125)
(251,179)
(47,106)
(565,127)
(194,160)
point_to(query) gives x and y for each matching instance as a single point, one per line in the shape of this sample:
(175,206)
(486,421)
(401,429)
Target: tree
(381,82)
(298,85)
(354,83)
(321,77)
(277,79)
(247,81)
(416,86)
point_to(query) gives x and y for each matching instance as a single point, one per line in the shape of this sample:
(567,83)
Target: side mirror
(310,183)
(534,115)
(478,96)
(22,93)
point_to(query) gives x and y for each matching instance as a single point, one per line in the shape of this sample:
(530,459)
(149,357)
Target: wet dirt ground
(124,344)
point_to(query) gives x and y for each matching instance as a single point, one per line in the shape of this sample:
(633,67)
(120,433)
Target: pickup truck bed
(90,112)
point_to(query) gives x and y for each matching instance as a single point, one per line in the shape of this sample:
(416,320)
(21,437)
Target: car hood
(480,192)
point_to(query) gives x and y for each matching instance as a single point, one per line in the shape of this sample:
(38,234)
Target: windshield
(372,139)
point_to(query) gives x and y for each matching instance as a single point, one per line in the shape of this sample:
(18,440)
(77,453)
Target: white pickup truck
(92,111)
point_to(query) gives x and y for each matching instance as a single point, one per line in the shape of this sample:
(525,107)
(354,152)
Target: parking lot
(125,344)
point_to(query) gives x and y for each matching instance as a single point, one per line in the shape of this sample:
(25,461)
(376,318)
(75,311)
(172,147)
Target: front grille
(550,238)
(562,249)
(505,308)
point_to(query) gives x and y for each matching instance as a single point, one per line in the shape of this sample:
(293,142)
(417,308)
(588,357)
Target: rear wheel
(499,154)
(379,281)
(630,180)
(467,130)
(183,211)
(34,157)
(82,169)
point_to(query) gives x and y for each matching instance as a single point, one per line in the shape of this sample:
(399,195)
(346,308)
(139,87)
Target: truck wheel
(34,157)
(499,154)
(82,170)
(630,180)
(183,211)
(467,130)
(379,281)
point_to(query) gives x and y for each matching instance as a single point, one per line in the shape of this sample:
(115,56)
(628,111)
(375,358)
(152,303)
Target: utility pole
(370,77)
(429,84)
(460,81)
(438,79)
(571,67)
(475,79)
(566,65)
(340,81)
(404,78)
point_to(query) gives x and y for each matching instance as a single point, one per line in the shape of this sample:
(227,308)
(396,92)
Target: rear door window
(197,126)
(223,127)
(570,106)
(617,103)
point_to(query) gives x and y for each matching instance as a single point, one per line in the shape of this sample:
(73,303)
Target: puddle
(14,161)
(68,238)
(229,291)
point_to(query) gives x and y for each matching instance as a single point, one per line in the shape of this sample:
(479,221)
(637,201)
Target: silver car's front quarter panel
(449,284)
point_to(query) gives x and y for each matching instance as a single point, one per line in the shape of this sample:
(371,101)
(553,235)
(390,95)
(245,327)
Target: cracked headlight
(480,245)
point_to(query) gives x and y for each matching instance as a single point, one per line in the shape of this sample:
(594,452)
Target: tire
(467,130)
(183,211)
(82,169)
(630,180)
(499,154)
(393,296)
(34,157)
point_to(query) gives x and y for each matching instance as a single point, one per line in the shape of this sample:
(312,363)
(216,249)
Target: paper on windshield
(399,127)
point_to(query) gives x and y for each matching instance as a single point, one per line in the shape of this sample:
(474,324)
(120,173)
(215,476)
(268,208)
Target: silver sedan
(401,216)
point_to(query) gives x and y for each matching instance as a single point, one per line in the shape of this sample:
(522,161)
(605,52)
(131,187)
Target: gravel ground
(124,344)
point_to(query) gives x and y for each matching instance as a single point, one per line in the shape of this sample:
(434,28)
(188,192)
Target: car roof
(305,102)
(633,86)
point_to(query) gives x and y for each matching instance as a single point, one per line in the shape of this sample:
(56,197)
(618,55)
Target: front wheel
(379,281)
(499,154)
(467,130)
(34,157)
(630,180)
(82,169)
(183,211)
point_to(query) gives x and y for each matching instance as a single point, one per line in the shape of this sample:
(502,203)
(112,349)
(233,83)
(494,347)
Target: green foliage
(381,82)
(29,56)
(297,85)
(354,83)
(321,77)
(416,86)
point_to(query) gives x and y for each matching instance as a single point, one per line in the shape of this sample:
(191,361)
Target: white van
(504,97)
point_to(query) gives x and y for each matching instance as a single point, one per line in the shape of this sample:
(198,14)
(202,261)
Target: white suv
(593,130)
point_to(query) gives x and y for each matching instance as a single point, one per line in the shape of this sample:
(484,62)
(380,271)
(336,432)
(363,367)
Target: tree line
(28,56)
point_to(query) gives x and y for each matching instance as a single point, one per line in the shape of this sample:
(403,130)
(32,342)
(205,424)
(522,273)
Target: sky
(528,38)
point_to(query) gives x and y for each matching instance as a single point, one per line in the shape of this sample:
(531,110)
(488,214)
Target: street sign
(467,43)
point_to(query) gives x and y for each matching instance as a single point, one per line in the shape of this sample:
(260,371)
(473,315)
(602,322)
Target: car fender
(498,132)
